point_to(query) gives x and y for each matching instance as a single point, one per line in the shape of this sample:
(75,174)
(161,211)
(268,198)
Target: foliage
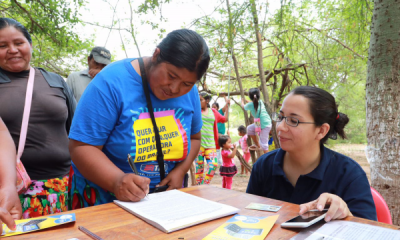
(51,23)
(304,43)
(128,15)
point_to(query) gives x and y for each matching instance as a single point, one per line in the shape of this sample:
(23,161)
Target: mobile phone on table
(305,220)
(161,188)
(237,229)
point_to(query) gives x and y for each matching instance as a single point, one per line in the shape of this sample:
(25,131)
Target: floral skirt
(84,193)
(45,197)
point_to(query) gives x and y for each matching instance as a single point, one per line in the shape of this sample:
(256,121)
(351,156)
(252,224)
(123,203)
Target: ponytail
(341,121)
(254,94)
(324,109)
(255,103)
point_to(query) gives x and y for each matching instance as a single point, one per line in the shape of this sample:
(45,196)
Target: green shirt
(221,126)
(207,131)
(261,113)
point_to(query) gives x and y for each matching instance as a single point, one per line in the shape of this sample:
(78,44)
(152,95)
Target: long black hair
(9,22)
(185,48)
(254,94)
(324,109)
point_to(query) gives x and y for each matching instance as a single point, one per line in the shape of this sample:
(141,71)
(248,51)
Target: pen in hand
(133,167)
(132,164)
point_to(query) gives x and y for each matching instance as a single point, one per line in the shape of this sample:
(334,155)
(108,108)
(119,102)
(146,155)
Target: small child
(228,168)
(242,131)
(271,143)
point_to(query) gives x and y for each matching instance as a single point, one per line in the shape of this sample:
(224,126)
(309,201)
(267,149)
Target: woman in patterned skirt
(209,137)
(46,156)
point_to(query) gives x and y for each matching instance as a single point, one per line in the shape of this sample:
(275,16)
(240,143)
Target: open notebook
(173,210)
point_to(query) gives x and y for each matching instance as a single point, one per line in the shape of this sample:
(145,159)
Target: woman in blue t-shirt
(303,171)
(112,120)
(262,121)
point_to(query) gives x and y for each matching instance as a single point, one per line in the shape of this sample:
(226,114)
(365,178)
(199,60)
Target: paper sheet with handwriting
(345,230)
(173,205)
(173,210)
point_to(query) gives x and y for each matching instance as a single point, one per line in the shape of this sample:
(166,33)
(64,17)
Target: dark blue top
(336,174)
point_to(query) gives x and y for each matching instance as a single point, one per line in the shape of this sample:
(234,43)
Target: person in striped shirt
(209,137)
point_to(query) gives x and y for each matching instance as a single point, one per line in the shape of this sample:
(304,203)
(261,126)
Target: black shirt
(46,153)
(336,174)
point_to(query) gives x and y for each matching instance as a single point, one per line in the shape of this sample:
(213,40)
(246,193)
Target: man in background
(78,81)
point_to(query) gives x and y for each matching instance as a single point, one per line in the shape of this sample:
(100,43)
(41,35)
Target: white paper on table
(345,230)
(174,210)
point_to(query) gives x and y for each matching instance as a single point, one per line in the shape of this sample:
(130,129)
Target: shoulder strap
(160,155)
(27,110)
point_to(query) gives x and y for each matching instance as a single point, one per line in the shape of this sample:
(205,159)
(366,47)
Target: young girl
(228,168)
(243,144)
(262,122)
(209,136)
(303,171)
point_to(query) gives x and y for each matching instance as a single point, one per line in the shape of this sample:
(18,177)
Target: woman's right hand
(131,187)
(10,207)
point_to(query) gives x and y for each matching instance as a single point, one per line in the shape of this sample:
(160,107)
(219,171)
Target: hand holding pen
(131,187)
(133,167)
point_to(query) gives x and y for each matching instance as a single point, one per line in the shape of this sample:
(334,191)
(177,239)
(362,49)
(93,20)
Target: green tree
(56,46)
(296,46)
(144,12)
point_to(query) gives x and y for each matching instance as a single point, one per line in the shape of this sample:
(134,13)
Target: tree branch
(34,22)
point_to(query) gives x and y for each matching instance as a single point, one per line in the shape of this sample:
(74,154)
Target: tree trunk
(260,56)
(383,103)
(243,162)
(261,69)
(238,79)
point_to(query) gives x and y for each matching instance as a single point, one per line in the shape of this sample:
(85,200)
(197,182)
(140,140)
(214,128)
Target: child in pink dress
(242,131)
(228,168)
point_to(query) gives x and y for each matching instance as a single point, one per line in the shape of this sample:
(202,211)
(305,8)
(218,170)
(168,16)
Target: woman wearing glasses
(303,171)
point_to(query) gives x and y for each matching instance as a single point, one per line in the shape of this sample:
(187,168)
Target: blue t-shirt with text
(113,113)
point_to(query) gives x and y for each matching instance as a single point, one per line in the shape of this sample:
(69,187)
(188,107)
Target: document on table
(173,210)
(345,230)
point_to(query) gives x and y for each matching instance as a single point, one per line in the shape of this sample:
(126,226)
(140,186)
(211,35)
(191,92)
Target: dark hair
(242,129)
(324,109)
(9,22)
(205,95)
(185,48)
(216,104)
(222,139)
(254,94)
(90,56)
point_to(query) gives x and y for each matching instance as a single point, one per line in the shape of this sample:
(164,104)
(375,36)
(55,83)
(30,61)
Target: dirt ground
(354,151)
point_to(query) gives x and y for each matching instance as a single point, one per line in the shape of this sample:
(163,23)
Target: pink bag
(23,179)
(257,124)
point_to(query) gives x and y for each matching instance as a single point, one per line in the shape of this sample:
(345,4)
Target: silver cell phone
(305,220)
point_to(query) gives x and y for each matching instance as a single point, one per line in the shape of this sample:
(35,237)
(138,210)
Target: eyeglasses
(291,121)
